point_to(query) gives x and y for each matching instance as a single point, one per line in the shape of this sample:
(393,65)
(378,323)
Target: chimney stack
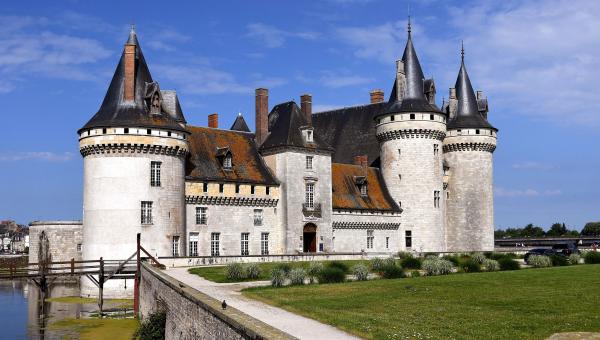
(129,91)
(362,160)
(262,113)
(213,120)
(376,96)
(306,107)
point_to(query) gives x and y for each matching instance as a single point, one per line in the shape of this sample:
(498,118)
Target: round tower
(468,149)
(410,132)
(133,152)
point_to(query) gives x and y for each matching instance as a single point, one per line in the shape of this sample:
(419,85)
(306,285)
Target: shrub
(314,268)
(540,261)
(332,275)
(361,272)
(592,257)
(297,276)
(278,277)
(437,266)
(470,266)
(236,272)
(507,263)
(490,265)
(377,264)
(337,264)
(286,267)
(452,258)
(404,254)
(392,271)
(411,263)
(559,260)
(415,273)
(574,259)
(253,271)
(153,327)
(499,256)
(478,257)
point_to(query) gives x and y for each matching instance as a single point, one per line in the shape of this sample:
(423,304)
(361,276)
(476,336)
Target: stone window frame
(258,217)
(155,167)
(244,244)
(215,244)
(387,242)
(264,243)
(79,247)
(408,238)
(309,162)
(436,198)
(146,212)
(370,239)
(175,246)
(309,194)
(201,215)
(436,149)
(194,238)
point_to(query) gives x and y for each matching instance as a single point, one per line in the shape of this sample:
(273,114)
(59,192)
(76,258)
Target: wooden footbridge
(43,273)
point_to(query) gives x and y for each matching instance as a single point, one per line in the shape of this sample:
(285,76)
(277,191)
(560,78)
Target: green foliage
(574,259)
(314,268)
(437,266)
(338,264)
(470,266)
(332,274)
(236,272)
(499,256)
(411,263)
(506,263)
(377,264)
(591,229)
(478,257)
(278,276)
(592,257)
(404,254)
(490,265)
(415,273)
(540,261)
(253,271)
(452,258)
(556,230)
(361,272)
(559,260)
(153,327)
(297,276)
(285,267)
(392,271)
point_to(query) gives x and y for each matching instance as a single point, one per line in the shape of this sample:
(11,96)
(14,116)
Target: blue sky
(537,61)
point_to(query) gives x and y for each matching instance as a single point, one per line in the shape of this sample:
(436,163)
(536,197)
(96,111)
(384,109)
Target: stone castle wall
(63,238)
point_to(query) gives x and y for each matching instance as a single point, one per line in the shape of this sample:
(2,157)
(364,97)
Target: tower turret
(468,149)
(410,132)
(133,152)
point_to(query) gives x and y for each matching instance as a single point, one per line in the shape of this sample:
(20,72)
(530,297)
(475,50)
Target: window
(227,162)
(363,189)
(175,245)
(258,217)
(408,238)
(310,195)
(400,204)
(392,118)
(264,243)
(155,174)
(309,136)
(252,189)
(244,244)
(204,187)
(193,244)
(268,190)
(148,132)
(146,212)
(214,244)
(436,149)
(412,116)
(399,152)
(370,239)
(221,187)
(387,242)
(447,195)
(430,117)
(168,133)
(79,247)
(126,130)
(436,199)
(309,164)
(459,132)
(103,131)
(400,177)
(237,188)
(476,132)
(201,215)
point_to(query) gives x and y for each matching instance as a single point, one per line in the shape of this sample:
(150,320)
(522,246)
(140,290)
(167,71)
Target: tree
(591,229)
(532,231)
(557,229)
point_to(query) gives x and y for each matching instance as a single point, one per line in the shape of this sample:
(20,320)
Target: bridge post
(101,286)
(136,284)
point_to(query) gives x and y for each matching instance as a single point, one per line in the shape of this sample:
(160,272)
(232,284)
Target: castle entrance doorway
(310,238)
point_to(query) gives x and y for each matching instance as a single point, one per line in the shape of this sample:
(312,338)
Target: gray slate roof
(240,124)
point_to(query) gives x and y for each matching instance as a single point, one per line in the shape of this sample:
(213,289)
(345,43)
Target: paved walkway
(296,325)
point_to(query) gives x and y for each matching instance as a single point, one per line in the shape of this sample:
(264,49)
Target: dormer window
(363,189)
(227,161)
(153,98)
(225,157)
(308,134)
(361,184)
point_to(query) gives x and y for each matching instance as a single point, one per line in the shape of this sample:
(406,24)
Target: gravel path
(296,325)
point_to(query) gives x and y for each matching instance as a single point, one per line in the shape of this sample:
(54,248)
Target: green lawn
(219,274)
(523,304)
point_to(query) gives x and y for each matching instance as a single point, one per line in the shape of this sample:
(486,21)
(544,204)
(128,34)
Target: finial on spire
(133,28)
(462,50)
(409,26)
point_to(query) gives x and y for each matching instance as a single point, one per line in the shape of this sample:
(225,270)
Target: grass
(524,304)
(219,274)
(117,303)
(92,329)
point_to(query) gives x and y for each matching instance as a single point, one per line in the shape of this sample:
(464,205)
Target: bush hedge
(574,259)
(332,274)
(236,272)
(337,264)
(314,268)
(392,271)
(278,276)
(253,271)
(592,257)
(559,260)
(411,263)
(506,263)
(490,265)
(437,266)
(153,327)
(478,257)
(540,261)
(297,276)
(470,266)
(361,272)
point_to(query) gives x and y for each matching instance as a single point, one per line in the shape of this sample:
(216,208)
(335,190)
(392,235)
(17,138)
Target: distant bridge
(586,241)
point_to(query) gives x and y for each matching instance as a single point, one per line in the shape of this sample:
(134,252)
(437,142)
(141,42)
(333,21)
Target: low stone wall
(194,315)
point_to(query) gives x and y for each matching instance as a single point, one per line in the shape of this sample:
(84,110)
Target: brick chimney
(362,160)
(306,107)
(376,96)
(262,114)
(213,120)
(129,90)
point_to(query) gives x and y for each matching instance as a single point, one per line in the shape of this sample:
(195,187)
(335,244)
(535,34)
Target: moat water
(24,316)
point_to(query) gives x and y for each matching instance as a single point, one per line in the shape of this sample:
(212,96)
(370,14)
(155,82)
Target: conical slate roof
(240,124)
(115,111)
(467,110)
(414,98)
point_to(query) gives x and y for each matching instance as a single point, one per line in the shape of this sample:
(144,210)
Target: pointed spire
(412,69)
(132,39)
(240,124)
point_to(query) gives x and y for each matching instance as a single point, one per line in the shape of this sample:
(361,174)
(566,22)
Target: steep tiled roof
(346,194)
(240,124)
(204,162)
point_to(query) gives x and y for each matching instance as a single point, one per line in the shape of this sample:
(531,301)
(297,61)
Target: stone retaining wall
(194,315)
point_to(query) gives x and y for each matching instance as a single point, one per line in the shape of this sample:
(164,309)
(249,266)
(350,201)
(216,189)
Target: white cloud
(333,80)
(166,39)
(532,166)
(274,37)
(512,193)
(36,155)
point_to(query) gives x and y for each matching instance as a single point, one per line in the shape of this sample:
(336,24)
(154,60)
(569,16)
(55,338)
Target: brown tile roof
(346,194)
(204,162)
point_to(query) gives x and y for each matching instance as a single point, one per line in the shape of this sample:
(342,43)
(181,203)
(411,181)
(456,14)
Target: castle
(388,176)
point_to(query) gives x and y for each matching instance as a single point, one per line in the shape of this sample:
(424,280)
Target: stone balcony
(313,211)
